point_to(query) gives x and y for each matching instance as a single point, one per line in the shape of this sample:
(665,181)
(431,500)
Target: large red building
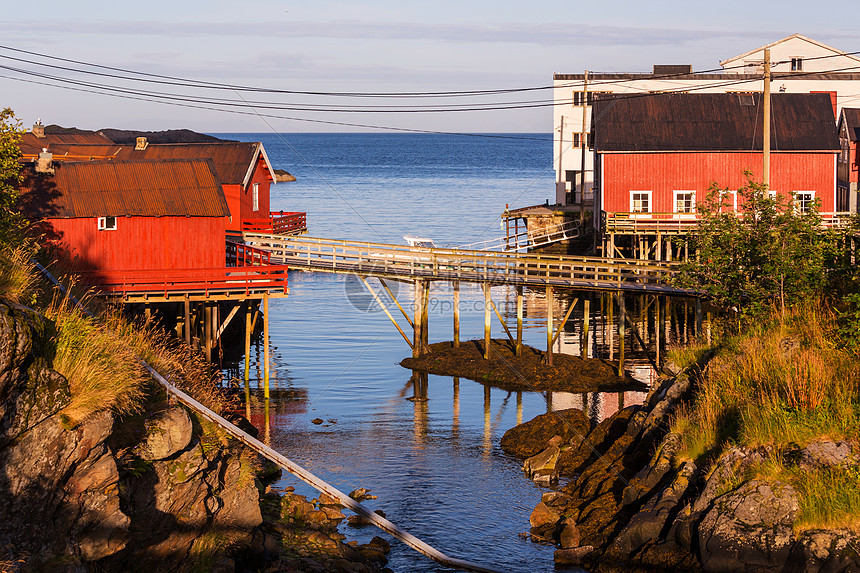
(661,153)
(123,216)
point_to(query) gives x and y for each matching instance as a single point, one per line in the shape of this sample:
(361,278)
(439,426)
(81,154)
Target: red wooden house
(122,216)
(657,155)
(245,174)
(848,166)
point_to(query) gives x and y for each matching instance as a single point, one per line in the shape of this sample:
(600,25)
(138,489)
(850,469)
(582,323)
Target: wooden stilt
(207,331)
(487,321)
(425,319)
(549,326)
(610,325)
(519,350)
(248,333)
(658,327)
(388,314)
(266,361)
(698,317)
(187,308)
(586,318)
(417,331)
(147,312)
(456,314)
(622,319)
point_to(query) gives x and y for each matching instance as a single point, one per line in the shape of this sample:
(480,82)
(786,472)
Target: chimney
(140,144)
(38,128)
(45,162)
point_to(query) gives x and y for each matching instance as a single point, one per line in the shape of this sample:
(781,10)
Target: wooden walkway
(402,262)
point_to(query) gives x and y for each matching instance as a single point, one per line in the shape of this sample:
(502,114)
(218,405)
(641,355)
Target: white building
(798,64)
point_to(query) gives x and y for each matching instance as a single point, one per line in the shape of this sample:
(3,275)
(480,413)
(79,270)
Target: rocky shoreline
(629,505)
(164,490)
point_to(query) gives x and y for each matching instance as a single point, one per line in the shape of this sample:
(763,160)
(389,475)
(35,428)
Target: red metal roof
(78,151)
(232,159)
(713,122)
(125,188)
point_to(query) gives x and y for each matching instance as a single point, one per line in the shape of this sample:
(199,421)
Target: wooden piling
(622,319)
(487,321)
(586,317)
(549,326)
(187,305)
(519,349)
(248,333)
(425,319)
(417,331)
(456,314)
(266,349)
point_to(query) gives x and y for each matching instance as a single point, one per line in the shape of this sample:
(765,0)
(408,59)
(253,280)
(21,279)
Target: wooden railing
(166,281)
(683,222)
(497,267)
(278,222)
(242,255)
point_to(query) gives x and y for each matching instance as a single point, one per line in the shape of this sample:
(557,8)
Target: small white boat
(423,242)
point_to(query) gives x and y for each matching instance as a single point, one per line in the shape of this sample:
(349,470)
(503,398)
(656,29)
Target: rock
(317,421)
(571,557)
(557,441)
(543,519)
(545,460)
(595,443)
(532,437)
(649,477)
(826,551)
(282,176)
(380,543)
(361,494)
(750,528)
(545,478)
(556,499)
(358,520)
(167,433)
(825,453)
(224,565)
(568,533)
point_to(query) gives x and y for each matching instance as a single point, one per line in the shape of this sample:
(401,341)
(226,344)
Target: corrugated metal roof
(852,120)
(119,188)
(31,144)
(232,160)
(712,122)
(80,152)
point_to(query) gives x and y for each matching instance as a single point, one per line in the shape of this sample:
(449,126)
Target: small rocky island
(527,372)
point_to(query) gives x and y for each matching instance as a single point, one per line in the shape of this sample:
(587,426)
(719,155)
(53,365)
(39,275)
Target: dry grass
(17,274)
(101,360)
(784,384)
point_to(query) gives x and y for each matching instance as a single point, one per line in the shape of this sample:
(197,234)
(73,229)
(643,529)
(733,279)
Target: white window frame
(797,203)
(797,64)
(255,196)
(107,223)
(641,212)
(677,194)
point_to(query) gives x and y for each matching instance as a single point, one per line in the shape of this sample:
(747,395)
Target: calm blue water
(436,465)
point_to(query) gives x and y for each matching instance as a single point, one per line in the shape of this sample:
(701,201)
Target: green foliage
(770,254)
(12,223)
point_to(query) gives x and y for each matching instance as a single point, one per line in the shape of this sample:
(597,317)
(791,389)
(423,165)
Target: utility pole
(583,145)
(765,178)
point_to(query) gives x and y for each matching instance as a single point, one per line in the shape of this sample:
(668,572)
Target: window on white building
(685,201)
(586,98)
(578,138)
(796,64)
(107,223)
(640,201)
(804,200)
(256,196)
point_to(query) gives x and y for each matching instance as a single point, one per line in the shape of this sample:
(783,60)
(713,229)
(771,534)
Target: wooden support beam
(622,319)
(266,361)
(549,326)
(416,324)
(227,320)
(487,321)
(457,314)
(586,322)
(187,305)
(207,331)
(519,349)
(388,314)
(248,332)
(502,321)
(610,324)
(658,328)
(425,319)
(393,298)
(564,320)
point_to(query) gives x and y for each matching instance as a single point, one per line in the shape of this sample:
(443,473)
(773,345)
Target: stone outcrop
(632,505)
(162,491)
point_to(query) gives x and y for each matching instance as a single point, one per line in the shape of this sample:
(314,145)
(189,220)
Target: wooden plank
(456,314)
(487,321)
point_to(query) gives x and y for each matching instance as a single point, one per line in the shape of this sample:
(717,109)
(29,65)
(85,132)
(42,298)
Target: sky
(367,46)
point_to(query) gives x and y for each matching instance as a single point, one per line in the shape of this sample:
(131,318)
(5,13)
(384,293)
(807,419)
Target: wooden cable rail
(165,281)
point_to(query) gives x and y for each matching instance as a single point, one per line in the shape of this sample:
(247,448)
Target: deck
(497,268)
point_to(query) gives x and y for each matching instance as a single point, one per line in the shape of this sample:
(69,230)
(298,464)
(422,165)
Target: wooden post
(549,326)
(425,321)
(207,331)
(519,350)
(519,408)
(416,322)
(585,324)
(147,312)
(708,326)
(187,304)
(266,348)
(247,339)
(622,316)
(456,314)
(610,325)
(487,322)
(658,326)
(765,177)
